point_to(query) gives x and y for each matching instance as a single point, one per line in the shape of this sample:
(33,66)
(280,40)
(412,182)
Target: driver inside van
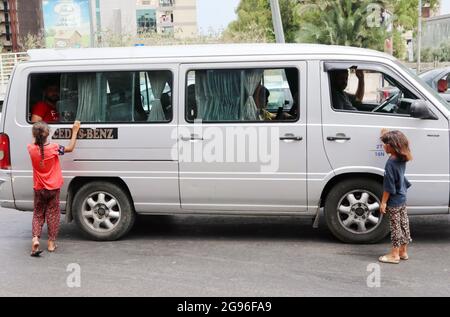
(45,110)
(341,99)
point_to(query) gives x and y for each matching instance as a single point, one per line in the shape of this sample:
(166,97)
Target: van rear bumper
(9,204)
(6,194)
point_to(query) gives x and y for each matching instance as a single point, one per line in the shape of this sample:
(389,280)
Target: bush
(440,54)
(444,52)
(426,55)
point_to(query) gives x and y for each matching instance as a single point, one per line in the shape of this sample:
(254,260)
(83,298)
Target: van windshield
(424,85)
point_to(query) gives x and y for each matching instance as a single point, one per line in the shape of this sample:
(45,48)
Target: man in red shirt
(46,110)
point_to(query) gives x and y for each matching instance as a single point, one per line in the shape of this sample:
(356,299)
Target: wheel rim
(359,211)
(101,211)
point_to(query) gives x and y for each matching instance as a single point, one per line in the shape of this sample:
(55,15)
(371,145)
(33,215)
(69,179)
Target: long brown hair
(40,134)
(399,144)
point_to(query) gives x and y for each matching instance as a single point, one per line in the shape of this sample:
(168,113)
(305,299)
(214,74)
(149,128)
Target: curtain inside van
(158,81)
(218,95)
(252,78)
(91,97)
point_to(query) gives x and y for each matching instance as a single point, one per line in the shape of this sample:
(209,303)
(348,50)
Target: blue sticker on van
(87,134)
(379,151)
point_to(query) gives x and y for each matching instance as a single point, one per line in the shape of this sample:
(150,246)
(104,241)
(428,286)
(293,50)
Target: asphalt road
(221,256)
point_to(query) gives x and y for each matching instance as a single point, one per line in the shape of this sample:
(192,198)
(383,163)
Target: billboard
(67,23)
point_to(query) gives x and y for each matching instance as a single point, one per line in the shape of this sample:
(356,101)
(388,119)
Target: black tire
(121,225)
(335,220)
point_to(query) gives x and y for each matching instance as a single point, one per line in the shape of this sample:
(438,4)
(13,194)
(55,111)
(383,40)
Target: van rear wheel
(352,211)
(103,211)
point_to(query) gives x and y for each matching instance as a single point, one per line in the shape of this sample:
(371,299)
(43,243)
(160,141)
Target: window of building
(101,97)
(146,20)
(246,95)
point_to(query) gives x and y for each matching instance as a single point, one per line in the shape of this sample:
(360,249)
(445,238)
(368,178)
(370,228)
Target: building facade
(177,17)
(18,20)
(78,23)
(436,31)
(8,26)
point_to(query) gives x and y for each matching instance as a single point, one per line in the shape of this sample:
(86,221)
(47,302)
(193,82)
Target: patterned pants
(46,208)
(400,234)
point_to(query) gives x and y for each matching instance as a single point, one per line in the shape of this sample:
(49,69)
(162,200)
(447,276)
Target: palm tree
(340,22)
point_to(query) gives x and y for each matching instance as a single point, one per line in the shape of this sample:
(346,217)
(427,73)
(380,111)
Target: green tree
(253,14)
(406,13)
(344,22)
(341,22)
(405,18)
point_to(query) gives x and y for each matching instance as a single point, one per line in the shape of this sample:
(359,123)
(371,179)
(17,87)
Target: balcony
(166,3)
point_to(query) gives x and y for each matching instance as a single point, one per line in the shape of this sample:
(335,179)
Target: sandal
(388,259)
(404,257)
(35,251)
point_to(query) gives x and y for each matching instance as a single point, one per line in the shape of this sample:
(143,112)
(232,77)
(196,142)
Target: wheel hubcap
(101,211)
(359,211)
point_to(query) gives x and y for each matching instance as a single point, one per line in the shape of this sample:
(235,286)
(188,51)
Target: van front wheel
(103,211)
(352,211)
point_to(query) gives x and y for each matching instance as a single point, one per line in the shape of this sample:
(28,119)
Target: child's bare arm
(73,140)
(384,202)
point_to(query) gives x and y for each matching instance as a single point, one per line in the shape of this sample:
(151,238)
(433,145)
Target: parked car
(211,150)
(439,80)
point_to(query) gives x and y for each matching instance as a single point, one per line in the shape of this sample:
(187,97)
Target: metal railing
(7,63)
(428,66)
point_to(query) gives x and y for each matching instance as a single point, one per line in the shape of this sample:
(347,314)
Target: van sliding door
(242,136)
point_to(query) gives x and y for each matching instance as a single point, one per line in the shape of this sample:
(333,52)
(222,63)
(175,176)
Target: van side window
(242,95)
(360,90)
(101,97)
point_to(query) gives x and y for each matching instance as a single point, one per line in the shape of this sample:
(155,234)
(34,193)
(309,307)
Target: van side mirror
(420,110)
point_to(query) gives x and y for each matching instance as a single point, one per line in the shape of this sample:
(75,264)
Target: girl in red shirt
(47,182)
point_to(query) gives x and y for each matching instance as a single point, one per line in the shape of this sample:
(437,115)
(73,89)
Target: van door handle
(290,137)
(338,138)
(193,137)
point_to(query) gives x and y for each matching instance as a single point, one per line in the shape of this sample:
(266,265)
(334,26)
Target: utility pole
(91,25)
(98,22)
(419,37)
(276,18)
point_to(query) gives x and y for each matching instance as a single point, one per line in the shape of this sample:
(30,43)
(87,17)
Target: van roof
(202,50)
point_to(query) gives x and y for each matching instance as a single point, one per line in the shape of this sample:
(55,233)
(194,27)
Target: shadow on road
(424,229)
(428,229)
(229,227)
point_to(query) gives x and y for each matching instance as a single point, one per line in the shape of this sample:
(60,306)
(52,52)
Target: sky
(445,7)
(215,14)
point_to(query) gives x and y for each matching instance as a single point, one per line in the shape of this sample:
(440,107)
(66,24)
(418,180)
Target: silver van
(189,130)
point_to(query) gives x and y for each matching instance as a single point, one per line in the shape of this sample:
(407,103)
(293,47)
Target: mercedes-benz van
(203,130)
